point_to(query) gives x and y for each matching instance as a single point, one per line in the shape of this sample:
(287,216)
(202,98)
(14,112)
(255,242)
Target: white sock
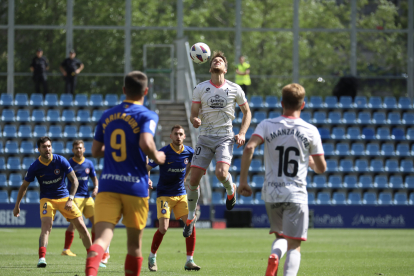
(42,259)
(153,255)
(107,249)
(228,184)
(189,258)
(279,247)
(292,263)
(193,193)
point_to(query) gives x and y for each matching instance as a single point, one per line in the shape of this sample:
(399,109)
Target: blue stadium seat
(403,150)
(346,102)
(331,102)
(390,103)
(259,150)
(396,182)
(58,148)
(319,117)
(364,118)
(411,199)
(55,132)
(26,147)
(15,180)
(257,181)
(239,118)
(272,102)
(306,116)
(3,180)
(51,100)
(153,197)
(342,149)
(249,132)
(338,133)
(68,116)
(387,149)
(370,198)
(400,199)
(351,182)
(53,116)
(237,151)
(357,149)
(406,166)
(2,164)
(36,99)
(38,116)
(32,197)
(21,99)
(274,114)
(217,198)
(325,133)
(111,100)
(66,100)
(354,133)
(331,165)
(316,102)
(334,117)
(365,182)
(354,198)
(96,100)
(9,131)
(1,146)
(247,200)
(309,180)
(155,177)
(25,131)
(101,164)
(81,100)
(11,147)
(216,183)
(372,149)
(256,102)
(122,98)
(361,165)
(346,165)
(88,148)
(399,134)
(70,132)
(13,197)
(4,197)
(256,166)
(319,181)
(409,182)
(339,198)
(39,131)
(13,163)
(361,102)
(236,166)
(385,198)
(394,118)
(84,116)
(323,198)
(87,132)
(375,102)
(96,115)
(404,103)
(383,133)
(408,118)
(23,115)
(6,100)
(258,198)
(258,116)
(27,161)
(379,118)
(377,165)
(328,149)
(311,198)
(7,115)
(335,181)
(349,118)
(381,182)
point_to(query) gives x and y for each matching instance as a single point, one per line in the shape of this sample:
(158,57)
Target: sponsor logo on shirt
(57,171)
(208,90)
(217,101)
(47,182)
(152,125)
(176,170)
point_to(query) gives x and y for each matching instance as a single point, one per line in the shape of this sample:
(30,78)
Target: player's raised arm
(247,117)
(146,143)
(20,195)
(98,149)
(195,121)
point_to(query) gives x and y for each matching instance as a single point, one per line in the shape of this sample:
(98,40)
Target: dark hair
(43,140)
(176,126)
(218,54)
(77,142)
(135,83)
(292,96)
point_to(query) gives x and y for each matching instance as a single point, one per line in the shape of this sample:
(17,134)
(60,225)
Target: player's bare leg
(193,193)
(279,248)
(104,234)
(83,231)
(223,175)
(292,262)
(156,242)
(46,228)
(133,261)
(190,246)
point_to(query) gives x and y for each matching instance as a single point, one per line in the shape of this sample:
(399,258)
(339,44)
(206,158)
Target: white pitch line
(6,230)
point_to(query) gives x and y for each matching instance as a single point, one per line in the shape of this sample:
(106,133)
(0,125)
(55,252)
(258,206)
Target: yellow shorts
(109,207)
(86,206)
(48,208)
(178,204)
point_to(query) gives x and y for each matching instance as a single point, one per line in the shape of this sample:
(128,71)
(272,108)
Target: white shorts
(290,220)
(208,146)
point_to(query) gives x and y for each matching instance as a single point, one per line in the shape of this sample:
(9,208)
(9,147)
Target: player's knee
(163,230)
(221,174)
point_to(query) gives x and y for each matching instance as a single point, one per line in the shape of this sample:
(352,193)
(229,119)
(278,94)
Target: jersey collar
(290,117)
(83,160)
(46,164)
(178,152)
(133,102)
(216,85)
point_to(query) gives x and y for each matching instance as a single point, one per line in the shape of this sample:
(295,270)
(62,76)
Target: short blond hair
(218,54)
(292,96)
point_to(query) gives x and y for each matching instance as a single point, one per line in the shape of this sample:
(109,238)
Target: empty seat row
(370,149)
(65,100)
(52,115)
(368,198)
(376,165)
(54,131)
(219,198)
(367,133)
(31,197)
(361,182)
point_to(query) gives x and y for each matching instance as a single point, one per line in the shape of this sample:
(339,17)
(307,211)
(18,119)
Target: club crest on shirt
(57,171)
(44,212)
(186,161)
(87,170)
(163,211)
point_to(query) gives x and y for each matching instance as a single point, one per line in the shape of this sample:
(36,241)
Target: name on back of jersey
(122,116)
(295,132)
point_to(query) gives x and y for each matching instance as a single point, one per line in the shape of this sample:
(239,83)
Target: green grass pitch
(222,252)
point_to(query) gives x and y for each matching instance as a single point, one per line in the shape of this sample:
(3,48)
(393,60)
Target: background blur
(284,41)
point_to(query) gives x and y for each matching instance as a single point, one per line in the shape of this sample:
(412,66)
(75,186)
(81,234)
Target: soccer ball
(200,53)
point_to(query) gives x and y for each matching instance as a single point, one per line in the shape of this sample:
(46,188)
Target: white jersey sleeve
(240,96)
(196,95)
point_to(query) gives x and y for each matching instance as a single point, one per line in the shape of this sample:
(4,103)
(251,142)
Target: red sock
(68,239)
(133,265)
(92,263)
(42,252)
(93,237)
(156,241)
(190,243)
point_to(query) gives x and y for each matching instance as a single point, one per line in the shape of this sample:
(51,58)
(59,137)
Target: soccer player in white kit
(291,145)
(212,110)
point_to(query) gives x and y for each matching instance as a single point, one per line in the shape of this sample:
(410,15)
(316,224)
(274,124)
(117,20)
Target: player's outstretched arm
(74,187)
(146,143)
(247,117)
(317,163)
(20,195)
(244,188)
(98,149)
(195,121)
